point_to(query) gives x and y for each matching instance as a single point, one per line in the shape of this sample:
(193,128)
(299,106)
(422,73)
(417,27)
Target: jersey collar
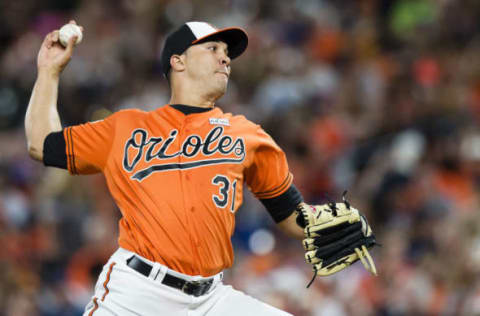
(189,109)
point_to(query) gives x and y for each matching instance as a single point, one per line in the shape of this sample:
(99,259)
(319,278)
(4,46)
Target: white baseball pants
(120,290)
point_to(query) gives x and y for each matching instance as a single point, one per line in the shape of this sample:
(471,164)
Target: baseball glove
(336,236)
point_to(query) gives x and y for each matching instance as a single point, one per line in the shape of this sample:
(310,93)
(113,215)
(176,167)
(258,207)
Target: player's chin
(221,86)
(221,77)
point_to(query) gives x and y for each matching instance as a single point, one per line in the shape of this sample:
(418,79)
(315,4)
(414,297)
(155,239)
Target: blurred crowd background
(377,97)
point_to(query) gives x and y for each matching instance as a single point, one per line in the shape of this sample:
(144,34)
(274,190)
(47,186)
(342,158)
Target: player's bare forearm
(42,116)
(290,227)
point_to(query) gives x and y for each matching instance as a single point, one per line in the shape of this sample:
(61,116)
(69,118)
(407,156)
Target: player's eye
(212,48)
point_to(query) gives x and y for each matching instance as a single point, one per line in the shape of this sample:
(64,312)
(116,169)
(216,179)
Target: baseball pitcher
(177,175)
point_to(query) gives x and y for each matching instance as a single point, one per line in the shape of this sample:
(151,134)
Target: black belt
(195,288)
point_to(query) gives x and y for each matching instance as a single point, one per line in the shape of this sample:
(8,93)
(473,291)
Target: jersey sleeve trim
(70,151)
(278,190)
(282,206)
(54,154)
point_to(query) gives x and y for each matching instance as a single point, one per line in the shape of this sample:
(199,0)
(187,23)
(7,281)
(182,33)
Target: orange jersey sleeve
(268,176)
(88,145)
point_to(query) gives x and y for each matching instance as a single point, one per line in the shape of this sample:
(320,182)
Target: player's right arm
(42,116)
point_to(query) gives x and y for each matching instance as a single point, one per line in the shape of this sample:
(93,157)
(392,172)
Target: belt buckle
(196,288)
(190,287)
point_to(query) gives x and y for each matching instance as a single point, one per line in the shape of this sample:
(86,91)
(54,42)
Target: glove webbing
(342,248)
(329,230)
(362,254)
(322,239)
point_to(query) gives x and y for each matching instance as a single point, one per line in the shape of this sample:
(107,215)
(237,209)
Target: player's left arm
(271,181)
(290,227)
(335,235)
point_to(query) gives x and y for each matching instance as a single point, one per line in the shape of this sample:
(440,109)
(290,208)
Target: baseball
(67,31)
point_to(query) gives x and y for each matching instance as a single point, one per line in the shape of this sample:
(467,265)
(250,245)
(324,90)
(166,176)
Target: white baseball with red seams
(67,31)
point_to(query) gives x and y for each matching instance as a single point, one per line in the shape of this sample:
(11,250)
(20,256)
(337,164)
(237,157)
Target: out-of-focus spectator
(378,97)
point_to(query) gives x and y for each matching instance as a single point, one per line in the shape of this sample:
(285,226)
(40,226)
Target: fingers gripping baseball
(53,57)
(336,236)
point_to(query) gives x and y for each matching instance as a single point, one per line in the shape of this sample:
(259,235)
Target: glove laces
(366,259)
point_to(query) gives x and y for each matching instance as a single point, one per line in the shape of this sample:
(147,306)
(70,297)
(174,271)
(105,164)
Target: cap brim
(235,37)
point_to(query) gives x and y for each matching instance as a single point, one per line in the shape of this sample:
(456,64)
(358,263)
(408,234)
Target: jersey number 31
(223,183)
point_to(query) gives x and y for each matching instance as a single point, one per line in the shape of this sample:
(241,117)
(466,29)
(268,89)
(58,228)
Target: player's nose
(225,60)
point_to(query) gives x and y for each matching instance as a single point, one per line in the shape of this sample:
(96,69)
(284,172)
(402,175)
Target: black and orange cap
(192,33)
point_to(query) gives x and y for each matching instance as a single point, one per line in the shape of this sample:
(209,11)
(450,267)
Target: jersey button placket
(185,177)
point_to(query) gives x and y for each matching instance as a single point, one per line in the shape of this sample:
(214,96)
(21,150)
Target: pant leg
(122,291)
(228,301)
(94,308)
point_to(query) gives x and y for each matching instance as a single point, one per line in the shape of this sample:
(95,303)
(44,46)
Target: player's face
(209,64)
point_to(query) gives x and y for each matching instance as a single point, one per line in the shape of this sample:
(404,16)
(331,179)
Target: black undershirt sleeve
(282,206)
(54,150)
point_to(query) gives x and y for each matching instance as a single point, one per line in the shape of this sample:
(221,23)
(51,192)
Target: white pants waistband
(159,270)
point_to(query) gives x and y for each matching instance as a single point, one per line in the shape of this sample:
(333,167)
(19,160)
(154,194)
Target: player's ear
(177,63)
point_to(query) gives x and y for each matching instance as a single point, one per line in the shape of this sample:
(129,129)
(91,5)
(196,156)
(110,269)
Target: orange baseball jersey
(178,177)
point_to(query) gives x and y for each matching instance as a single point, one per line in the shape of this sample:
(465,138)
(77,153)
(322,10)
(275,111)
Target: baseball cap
(192,33)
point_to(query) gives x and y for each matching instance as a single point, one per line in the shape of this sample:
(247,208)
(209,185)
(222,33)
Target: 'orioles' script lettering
(139,146)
